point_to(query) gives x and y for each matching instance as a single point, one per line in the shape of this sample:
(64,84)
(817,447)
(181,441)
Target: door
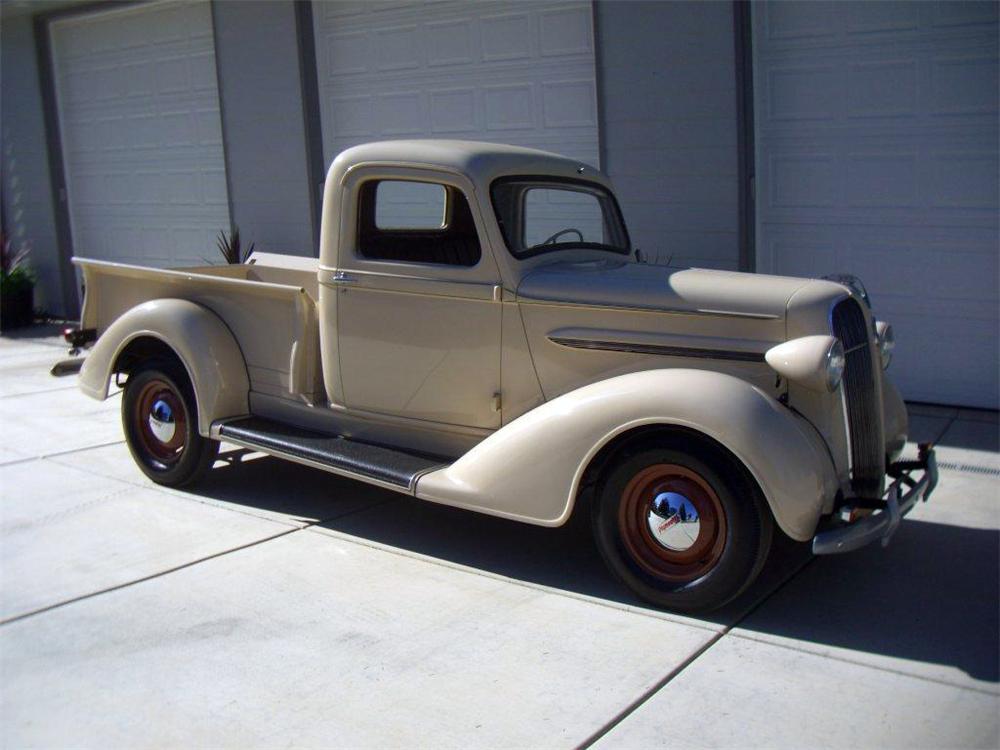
(877,155)
(138,107)
(418,317)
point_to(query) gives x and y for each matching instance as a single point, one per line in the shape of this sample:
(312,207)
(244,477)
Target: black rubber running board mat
(378,462)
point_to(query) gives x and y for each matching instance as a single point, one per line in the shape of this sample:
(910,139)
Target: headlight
(853,283)
(834,365)
(816,362)
(886,342)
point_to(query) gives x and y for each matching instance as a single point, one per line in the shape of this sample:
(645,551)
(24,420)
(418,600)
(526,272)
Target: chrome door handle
(340,277)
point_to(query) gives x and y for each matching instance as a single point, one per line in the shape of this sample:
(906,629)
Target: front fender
(204,344)
(531,469)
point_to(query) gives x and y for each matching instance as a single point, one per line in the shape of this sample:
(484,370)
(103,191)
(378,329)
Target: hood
(612,283)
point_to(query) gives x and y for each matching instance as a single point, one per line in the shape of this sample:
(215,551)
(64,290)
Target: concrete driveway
(280,606)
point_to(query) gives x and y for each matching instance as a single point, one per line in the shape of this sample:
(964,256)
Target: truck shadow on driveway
(931,596)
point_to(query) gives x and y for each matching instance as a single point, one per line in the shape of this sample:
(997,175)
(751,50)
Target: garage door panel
(967,180)
(940,270)
(877,154)
(453,110)
(964,85)
(142,137)
(938,291)
(945,366)
(458,70)
(868,17)
(964,13)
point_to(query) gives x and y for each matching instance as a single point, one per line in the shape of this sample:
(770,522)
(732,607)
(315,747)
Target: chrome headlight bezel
(835,363)
(886,342)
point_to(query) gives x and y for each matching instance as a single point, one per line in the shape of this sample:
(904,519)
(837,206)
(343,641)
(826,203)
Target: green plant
(17,284)
(231,247)
(15,273)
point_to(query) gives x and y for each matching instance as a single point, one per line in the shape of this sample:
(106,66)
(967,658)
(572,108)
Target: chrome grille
(860,399)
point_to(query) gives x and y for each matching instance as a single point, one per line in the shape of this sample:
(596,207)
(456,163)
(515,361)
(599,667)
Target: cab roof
(480,161)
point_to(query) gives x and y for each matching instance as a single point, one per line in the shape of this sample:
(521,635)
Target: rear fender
(531,469)
(198,337)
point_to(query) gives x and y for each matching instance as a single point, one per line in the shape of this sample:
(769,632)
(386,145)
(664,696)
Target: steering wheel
(551,240)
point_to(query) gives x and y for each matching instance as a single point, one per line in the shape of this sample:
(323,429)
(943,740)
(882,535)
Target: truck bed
(270,306)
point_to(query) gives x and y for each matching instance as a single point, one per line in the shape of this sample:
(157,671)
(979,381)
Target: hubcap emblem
(673,521)
(161,421)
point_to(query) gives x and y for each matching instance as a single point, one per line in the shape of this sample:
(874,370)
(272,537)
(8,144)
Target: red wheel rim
(159,423)
(649,512)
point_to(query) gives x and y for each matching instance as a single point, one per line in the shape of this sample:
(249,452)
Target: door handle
(341,277)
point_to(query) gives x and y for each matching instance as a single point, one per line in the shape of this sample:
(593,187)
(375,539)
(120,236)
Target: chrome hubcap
(161,421)
(673,521)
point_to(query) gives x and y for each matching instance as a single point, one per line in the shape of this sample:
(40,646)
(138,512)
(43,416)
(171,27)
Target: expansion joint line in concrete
(59,454)
(39,392)
(192,563)
(663,682)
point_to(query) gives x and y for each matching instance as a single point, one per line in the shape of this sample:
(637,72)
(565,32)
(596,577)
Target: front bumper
(882,524)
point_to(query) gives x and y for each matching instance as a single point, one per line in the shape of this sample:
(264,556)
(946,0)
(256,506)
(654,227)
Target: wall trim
(602,149)
(311,117)
(745,136)
(222,119)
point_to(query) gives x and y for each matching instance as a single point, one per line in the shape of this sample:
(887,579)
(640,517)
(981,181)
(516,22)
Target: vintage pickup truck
(477,331)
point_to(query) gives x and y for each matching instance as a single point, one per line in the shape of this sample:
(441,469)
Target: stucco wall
(262,120)
(667,92)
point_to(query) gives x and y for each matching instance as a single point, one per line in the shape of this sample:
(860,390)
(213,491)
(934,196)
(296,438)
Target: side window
(416,222)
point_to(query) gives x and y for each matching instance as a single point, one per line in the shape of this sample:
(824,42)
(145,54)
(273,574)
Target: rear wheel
(684,529)
(160,419)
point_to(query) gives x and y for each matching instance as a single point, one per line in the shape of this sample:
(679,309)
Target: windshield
(541,214)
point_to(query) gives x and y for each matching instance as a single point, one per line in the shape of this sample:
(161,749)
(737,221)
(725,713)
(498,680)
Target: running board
(376,464)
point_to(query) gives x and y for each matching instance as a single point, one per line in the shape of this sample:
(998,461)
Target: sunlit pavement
(276,605)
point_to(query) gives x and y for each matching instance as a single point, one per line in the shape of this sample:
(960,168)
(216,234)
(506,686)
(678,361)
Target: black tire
(163,389)
(727,541)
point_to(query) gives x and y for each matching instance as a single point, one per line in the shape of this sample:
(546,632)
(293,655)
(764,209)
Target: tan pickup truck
(478,332)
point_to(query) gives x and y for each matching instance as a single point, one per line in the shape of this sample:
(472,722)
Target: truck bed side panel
(275,324)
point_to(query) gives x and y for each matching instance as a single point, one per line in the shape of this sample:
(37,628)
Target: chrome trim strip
(640,308)
(658,349)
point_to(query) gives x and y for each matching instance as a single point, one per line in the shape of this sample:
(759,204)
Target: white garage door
(138,106)
(520,73)
(877,155)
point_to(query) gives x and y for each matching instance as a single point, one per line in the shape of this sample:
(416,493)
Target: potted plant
(17,285)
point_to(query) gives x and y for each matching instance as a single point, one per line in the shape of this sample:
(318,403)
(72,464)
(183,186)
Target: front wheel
(684,529)
(159,416)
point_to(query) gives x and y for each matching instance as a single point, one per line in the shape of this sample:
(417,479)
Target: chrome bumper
(902,495)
